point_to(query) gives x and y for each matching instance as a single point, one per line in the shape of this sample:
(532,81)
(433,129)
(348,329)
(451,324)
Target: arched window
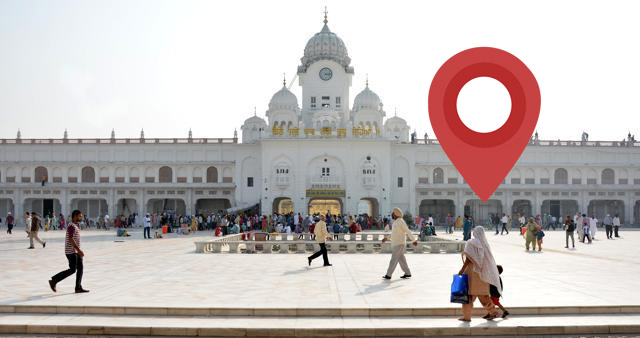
(165,175)
(41,174)
(369,173)
(88,175)
(438,176)
(212,175)
(608,177)
(560,176)
(282,174)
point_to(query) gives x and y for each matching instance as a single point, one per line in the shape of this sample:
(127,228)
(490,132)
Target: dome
(254,120)
(284,99)
(325,45)
(395,121)
(366,99)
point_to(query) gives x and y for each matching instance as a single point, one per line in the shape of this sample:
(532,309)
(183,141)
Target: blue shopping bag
(460,289)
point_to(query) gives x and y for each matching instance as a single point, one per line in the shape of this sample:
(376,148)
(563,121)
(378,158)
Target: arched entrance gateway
(369,206)
(171,206)
(438,209)
(207,206)
(559,208)
(324,205)
(282,205)
(521,208)
(325,185)
(481,211)
(600,208)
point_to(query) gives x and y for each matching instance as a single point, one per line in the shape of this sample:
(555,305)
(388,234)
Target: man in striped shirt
(73,252)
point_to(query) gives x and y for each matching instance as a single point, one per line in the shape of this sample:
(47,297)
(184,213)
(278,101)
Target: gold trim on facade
(361,131)
(327,193)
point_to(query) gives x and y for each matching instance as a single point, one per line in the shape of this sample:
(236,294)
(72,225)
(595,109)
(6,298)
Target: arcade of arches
(481,212)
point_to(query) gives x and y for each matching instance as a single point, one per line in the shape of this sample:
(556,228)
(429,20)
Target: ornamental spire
(284,79)
(367,81)
(325,15)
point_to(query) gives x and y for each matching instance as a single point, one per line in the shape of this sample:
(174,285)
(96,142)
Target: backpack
(35,224)
(571,227)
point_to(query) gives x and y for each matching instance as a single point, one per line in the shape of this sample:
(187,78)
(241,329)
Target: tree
(408,218)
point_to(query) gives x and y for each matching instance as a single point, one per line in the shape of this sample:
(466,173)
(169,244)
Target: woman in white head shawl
(482,270)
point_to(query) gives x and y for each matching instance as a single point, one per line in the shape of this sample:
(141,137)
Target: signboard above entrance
(325,193)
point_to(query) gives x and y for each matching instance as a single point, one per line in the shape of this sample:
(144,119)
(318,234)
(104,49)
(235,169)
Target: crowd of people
(479,266)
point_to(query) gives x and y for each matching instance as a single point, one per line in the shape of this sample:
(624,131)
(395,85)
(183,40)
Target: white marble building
(315,154)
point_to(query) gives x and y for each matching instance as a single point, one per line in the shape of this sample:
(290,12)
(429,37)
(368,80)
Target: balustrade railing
(369,242)
(559,143)
(121,141)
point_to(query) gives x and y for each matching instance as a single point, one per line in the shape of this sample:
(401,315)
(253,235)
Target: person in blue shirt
(336,230)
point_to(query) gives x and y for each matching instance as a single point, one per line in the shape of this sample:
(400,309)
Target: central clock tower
(325,77)
(325,86)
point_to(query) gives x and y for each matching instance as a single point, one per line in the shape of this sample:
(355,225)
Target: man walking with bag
(74,254)
(399,233)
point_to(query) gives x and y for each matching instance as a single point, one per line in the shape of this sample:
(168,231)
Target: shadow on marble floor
(17,301)
(382,286)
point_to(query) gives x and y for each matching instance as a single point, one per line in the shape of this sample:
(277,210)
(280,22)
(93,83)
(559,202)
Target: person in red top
(74,254)
(353,228)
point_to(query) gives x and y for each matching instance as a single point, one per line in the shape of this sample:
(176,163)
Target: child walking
(495,295)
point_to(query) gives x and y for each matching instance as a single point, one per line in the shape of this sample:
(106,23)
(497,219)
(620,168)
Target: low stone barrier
(335,247)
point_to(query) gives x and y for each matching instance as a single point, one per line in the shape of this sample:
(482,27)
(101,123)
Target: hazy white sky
(167,66)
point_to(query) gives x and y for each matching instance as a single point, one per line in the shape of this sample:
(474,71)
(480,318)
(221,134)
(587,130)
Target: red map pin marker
(484,159)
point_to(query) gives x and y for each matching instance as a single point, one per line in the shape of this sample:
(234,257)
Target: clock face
(326,74)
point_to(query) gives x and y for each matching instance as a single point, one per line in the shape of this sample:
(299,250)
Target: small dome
(284,99)
(254,120)
(325,45)
(395,121)
(366,99)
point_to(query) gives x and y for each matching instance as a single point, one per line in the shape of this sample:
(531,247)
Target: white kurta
(593,227)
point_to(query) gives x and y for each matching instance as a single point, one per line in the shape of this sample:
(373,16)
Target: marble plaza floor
(167,273)
(161,287)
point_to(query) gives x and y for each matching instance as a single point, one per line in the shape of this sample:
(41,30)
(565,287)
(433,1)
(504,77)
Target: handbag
(460,289)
